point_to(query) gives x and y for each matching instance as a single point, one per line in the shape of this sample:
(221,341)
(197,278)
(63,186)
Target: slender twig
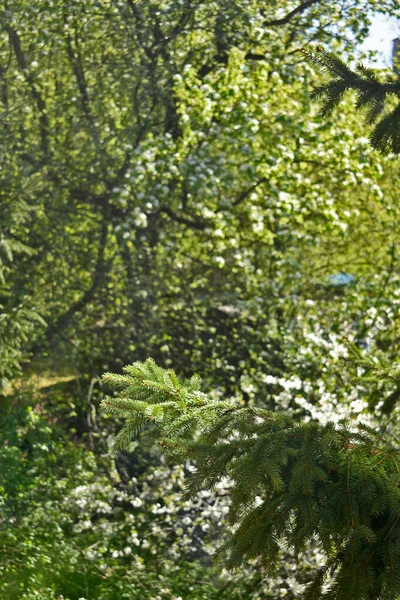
(287,18)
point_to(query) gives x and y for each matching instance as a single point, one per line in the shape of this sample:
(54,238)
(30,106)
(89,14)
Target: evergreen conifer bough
(372,93)
(292,483)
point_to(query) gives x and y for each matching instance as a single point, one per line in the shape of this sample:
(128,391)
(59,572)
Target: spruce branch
(372,95)
(381,375)
(292,483)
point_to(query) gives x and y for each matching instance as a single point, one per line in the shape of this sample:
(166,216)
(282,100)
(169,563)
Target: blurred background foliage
(168,189)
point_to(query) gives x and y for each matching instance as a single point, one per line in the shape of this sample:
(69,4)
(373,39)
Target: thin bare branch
(296,11)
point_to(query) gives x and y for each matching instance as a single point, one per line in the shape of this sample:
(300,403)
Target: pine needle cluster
(18,315)
(372,95)
(292,483)
(379,373)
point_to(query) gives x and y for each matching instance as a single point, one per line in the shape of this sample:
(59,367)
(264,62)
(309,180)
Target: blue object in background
(340,279)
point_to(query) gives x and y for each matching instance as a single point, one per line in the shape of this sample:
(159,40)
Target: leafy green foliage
(158,171)
(69,525)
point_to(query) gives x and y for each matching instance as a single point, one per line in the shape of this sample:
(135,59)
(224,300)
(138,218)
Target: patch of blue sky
(380,41)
